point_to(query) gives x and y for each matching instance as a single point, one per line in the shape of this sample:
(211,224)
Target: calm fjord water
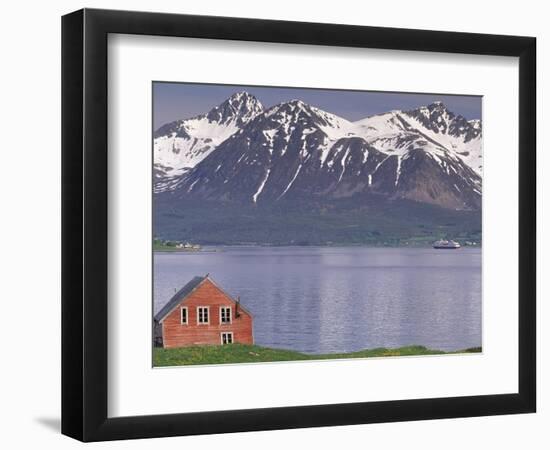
(328,299)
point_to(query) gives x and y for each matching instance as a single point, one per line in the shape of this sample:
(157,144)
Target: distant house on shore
(201,313)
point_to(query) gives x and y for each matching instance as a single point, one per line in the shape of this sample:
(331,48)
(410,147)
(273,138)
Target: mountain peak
(240,107)
(432,111)
(438,105)
(438,118)
(289,110)
(242,96)
(290,106)
(297,103)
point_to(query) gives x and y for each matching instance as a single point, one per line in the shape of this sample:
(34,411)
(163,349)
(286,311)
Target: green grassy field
(240,353)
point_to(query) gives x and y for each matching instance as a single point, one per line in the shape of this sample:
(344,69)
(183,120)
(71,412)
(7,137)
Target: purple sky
(173,101)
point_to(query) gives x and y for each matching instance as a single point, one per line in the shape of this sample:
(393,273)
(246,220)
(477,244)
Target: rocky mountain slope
(242,153)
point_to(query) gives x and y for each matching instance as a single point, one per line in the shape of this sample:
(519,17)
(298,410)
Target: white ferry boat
(446,244)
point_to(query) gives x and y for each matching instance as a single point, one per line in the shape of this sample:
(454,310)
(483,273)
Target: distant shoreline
(220,248)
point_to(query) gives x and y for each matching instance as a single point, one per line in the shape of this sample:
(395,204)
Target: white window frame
(186,315)
(207,313)
(230,315)
(229,333)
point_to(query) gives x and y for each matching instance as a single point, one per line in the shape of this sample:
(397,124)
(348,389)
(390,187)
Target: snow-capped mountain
(453,132)
(295,151)
(181,145)
(432,126)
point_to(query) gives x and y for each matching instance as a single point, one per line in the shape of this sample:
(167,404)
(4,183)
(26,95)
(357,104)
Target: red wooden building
(201,313)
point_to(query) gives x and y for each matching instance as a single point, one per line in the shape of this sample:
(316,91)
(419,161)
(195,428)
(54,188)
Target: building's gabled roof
(185,291)
(178,297)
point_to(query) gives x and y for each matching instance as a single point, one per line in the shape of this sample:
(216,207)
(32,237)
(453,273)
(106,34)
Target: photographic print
(294,224)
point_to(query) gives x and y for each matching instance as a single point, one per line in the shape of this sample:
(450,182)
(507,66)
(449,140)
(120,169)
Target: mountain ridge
(362,128)
(295,174)
(243,152)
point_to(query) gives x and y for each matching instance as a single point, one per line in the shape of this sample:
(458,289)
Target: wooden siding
(175,334)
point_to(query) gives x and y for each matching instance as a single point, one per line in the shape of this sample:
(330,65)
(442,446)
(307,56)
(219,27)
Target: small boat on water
(446,244)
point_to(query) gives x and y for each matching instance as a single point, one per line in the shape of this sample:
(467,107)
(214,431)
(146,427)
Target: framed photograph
(274,225)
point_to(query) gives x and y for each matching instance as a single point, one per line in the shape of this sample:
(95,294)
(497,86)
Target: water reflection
(321,300)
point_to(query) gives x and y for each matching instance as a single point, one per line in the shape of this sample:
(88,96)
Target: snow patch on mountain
(261,187)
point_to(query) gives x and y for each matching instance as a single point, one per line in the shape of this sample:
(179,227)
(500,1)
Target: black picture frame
(84,224)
